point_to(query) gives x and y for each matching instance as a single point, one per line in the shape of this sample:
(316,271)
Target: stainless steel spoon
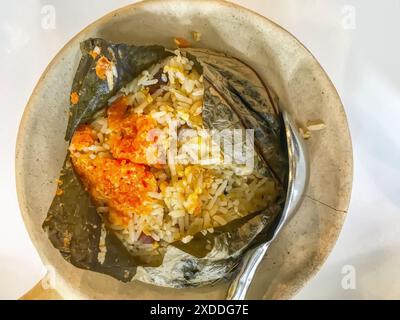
(297,183)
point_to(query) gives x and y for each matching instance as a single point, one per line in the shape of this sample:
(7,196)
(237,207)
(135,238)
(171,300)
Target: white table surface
(357,44)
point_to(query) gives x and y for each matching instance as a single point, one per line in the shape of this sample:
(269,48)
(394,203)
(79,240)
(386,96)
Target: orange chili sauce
(122,181)
(102,65)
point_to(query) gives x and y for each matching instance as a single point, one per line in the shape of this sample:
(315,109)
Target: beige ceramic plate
(282,62)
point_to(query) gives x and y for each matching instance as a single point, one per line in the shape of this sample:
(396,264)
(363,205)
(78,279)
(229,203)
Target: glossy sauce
(120,181)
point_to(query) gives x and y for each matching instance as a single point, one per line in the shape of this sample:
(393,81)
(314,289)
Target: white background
(361,57)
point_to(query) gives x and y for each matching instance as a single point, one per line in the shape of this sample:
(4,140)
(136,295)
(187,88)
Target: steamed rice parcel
(154,173)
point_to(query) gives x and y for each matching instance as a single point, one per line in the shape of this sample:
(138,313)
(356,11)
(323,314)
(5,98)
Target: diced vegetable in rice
(146,195)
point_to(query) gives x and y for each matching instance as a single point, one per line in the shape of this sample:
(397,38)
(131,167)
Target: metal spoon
(297,183)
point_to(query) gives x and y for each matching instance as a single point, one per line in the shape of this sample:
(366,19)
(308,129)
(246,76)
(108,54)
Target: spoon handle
(297,183)
(240,285)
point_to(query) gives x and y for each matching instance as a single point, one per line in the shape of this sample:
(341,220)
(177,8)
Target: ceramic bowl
(282,62)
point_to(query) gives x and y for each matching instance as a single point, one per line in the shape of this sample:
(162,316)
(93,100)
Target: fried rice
(153,171)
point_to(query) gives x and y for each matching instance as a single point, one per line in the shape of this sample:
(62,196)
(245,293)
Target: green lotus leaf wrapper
(234,98)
